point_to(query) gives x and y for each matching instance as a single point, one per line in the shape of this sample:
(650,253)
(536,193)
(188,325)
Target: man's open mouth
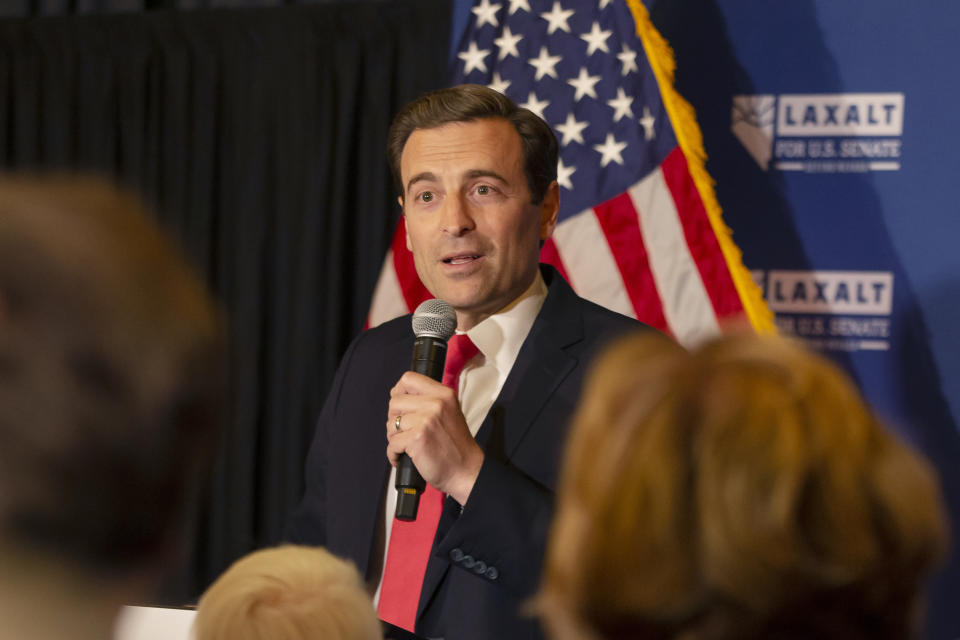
(461,259)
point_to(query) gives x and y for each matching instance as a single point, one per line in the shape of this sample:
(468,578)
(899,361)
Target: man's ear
(549,209)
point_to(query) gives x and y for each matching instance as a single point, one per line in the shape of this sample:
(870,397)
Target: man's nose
(457,218)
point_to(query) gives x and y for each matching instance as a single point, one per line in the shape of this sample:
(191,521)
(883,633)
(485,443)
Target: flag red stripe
(621,226)
(701,240)
(550,255)
(413,290)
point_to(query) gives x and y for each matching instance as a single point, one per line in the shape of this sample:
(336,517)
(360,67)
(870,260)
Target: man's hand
(434,433)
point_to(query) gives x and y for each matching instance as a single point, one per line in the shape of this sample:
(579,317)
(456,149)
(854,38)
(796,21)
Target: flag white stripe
(590,265)
(388,301)
(686,304)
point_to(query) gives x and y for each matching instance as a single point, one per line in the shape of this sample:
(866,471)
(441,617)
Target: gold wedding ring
(396,423)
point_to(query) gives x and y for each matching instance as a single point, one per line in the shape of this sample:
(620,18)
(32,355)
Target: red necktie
(411,541)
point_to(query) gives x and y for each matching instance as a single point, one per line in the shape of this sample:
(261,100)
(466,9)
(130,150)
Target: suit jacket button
(480,568)
(456,555)
(468,562)
(492,573)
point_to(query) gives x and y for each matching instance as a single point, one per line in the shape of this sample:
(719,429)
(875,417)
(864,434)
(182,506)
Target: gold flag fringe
(688,134)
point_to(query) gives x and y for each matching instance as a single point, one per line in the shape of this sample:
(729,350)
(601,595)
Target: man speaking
(477,183)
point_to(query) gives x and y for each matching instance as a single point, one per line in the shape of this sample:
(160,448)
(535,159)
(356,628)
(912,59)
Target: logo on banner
(831,310)
(821,133)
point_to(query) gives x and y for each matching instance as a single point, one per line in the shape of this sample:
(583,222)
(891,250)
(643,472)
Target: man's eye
(426,196)
(483,190)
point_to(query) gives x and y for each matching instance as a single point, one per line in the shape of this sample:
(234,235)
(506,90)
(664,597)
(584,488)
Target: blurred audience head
(287,593)
(109,383)
(742,490)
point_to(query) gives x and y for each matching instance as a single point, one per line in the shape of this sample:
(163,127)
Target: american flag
(639,228)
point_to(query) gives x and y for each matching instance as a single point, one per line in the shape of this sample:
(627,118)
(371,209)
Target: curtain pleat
(258,136)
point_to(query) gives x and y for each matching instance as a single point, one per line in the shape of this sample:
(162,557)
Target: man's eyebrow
(469,175)
(485,173)
(425,175)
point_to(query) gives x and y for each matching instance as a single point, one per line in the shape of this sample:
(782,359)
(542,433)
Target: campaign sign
(821,133)
(831,131)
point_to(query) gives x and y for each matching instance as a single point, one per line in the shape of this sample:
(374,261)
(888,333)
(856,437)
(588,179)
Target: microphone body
(434,322)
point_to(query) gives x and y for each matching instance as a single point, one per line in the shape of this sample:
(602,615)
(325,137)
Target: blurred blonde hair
(287,593)
(741,490)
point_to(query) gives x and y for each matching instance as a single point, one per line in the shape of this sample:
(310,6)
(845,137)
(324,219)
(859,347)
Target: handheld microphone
(434,322)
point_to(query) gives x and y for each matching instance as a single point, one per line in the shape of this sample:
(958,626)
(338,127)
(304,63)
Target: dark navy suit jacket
(486,560)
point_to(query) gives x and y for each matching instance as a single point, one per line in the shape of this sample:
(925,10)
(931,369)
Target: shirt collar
(500,336)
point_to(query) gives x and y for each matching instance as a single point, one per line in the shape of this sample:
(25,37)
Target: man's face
(474,234)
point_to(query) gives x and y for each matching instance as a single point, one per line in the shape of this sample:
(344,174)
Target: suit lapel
(540,367)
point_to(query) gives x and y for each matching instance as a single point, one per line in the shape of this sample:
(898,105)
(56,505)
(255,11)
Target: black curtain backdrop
(23,8)
(258,136)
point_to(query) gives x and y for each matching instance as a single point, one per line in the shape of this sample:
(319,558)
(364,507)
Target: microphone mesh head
(434,318)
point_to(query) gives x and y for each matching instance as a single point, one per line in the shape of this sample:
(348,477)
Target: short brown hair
(743,490)
(287,593)
(469,102)
(110,374)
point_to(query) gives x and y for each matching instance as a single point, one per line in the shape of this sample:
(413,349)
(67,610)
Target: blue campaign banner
(831,131)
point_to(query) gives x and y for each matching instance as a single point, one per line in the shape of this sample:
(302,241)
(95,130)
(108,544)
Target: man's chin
(460,293)
(461,303)
(470,305)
